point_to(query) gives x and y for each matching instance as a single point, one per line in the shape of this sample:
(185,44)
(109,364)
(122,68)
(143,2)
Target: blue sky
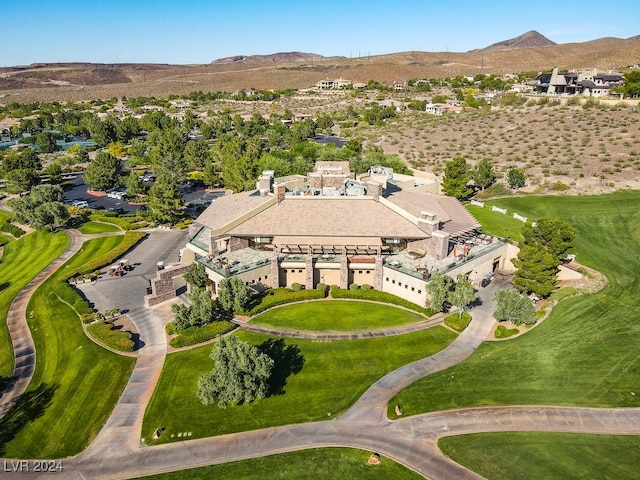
(199,31)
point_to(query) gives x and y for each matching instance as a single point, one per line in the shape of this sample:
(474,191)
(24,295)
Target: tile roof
(328,217)
(448,210)
(230,207)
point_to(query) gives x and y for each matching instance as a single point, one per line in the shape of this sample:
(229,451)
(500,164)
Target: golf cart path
(117,452)
(24,352)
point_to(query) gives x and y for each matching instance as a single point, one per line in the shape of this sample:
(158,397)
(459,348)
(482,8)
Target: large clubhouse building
(382,229)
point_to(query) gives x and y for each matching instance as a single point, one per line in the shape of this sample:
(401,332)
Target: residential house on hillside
(588,83)
(332,84)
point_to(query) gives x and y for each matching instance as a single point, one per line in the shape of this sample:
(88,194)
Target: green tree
(516,178)
(197,154)
(171,167)
(46,142)
(240,374)
(483,174)
(536,271)
(196,276)
(233,294)
(138,148)
(354,145)
(134,186)
(438,289)
(514,307)
(545,246)
(165,202)
(21,179)
(42,207)
(103,171)
(552,235)
(456,178)
(462,294)
(127,129)
(54,170)
(200,311)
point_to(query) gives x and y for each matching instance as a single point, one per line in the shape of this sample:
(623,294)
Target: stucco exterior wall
(405,286)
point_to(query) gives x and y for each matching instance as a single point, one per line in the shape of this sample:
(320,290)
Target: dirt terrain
(86,81)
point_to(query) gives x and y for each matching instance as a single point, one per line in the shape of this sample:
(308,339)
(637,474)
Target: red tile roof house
(385,230)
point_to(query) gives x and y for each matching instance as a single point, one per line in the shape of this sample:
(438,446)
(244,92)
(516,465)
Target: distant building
(442,108)
(333,84)
(589,83)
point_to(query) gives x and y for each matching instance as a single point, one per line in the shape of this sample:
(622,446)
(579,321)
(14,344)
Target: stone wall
(237,243)
(162,288)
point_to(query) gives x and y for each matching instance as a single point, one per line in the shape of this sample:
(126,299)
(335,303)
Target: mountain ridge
(81,81)
(279,57)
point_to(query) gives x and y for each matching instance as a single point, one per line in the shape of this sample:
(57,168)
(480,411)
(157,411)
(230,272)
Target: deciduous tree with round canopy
(240,373)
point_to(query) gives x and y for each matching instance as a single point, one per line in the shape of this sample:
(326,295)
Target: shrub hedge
(113,338)
(378,296)
(280,296)
(130,240)
(457,322)
(193,335)
(124,222)
(504,332)
(7,227)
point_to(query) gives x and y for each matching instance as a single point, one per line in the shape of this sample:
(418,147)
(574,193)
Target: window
(413,289)
(393,281)
(360,271)
(386,279)
(419,292)
(406,286)
(299,271)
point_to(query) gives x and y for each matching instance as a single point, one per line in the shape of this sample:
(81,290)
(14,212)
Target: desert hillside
(85,81)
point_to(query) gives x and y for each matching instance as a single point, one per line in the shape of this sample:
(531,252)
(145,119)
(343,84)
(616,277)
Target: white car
(80,203)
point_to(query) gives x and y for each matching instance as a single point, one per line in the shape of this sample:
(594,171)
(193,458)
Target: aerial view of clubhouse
(381,230)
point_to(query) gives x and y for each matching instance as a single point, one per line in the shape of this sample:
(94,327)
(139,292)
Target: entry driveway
(127,292)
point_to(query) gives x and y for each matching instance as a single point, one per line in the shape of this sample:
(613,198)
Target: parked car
(116,210)
(80,203)
(117,194)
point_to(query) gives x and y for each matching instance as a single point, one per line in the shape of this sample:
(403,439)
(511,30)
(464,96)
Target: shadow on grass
(287,360)
(4,285)
(29,406)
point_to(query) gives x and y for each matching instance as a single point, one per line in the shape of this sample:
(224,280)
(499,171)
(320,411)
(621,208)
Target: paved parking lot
(79,192)
(127,292)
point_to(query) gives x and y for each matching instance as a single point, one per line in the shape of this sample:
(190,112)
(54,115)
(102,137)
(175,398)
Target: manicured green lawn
(586,351)
(333,376)
(22,260)
(336,316)
(543,455)
(313,464)
(97,227)
(76,382)
(496,223)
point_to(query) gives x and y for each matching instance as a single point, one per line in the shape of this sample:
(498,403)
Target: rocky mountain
(86,81)
(282,57)
(526,40)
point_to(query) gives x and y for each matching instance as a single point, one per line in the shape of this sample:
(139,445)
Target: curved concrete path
(117,453)
(24,353)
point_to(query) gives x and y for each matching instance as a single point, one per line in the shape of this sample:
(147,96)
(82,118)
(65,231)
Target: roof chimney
(265,182)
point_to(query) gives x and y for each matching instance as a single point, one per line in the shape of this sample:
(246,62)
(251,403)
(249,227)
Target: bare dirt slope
(85,81)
